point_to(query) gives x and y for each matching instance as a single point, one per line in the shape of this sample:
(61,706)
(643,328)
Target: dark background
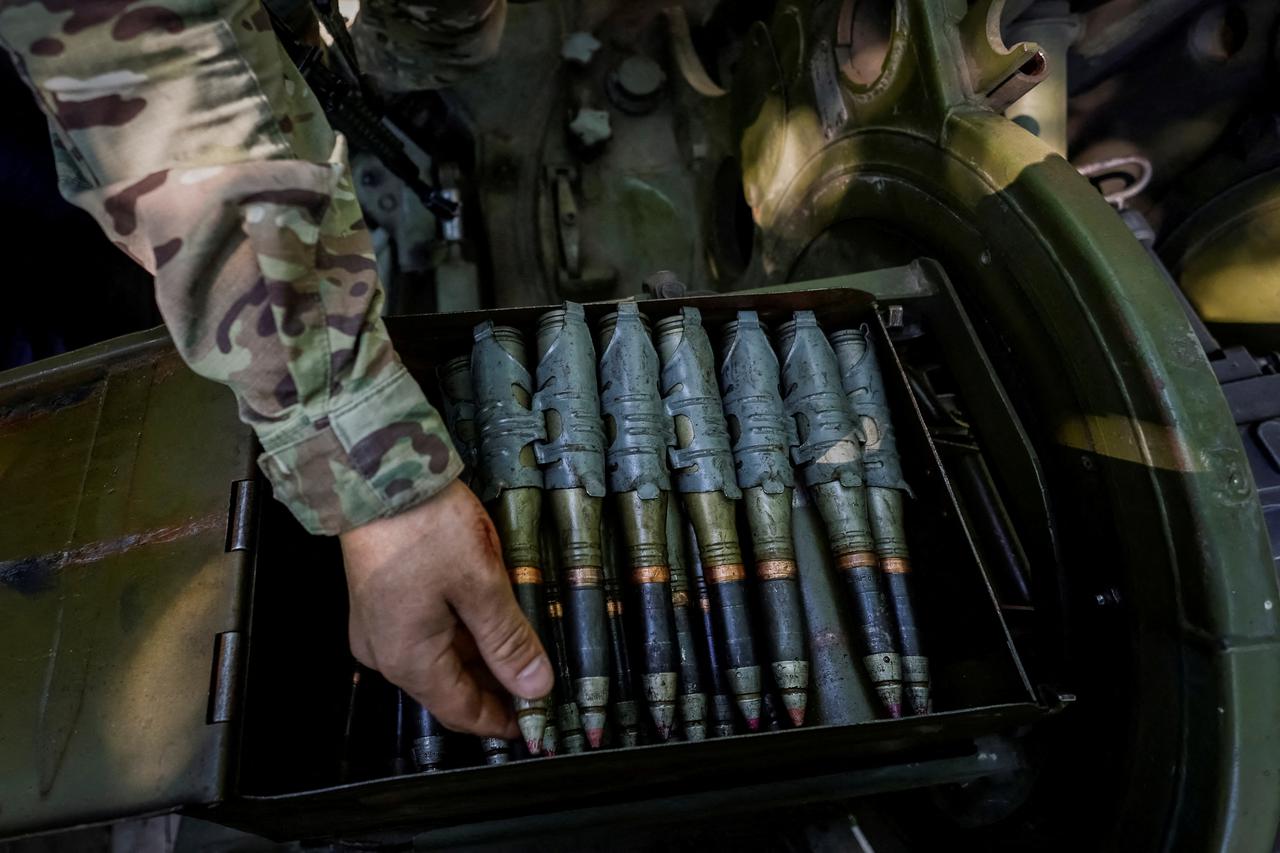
(65,285)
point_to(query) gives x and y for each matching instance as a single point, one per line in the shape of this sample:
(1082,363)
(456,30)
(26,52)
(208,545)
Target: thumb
(506,641)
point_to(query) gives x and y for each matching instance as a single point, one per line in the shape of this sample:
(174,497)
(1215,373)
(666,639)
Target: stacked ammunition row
(578,454)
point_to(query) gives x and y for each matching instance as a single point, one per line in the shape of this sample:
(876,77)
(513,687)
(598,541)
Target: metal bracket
(826,89)
(568,235)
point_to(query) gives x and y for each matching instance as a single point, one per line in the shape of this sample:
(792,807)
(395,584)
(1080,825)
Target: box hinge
(244,494)
(224,691)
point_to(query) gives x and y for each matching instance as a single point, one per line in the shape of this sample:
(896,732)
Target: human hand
(433,611)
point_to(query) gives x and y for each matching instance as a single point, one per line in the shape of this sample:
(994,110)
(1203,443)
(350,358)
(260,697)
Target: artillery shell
(703,470)
(621,692)
(494,751)
(642,529)
(507,429)
(863,384)
(720,560)
(572,458)
(568,722)
(829,451)
(839,692)
(429,739)
(750,383)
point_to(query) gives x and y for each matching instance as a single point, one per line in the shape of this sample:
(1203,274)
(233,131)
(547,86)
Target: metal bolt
(895,318)
(640,76)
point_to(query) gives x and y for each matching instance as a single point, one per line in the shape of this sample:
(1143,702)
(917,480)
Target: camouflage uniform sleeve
(184,130)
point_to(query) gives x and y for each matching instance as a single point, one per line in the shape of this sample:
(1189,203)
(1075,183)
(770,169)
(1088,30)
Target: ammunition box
(170,639)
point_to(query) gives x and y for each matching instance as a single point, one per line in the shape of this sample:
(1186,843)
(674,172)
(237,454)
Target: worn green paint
(1223,256)
(1126,408)
(117,465)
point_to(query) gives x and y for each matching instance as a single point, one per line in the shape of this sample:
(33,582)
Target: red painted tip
(535,746)
(753,724)
(895,710)
(549,753)
(664,733)
(595,737)
(797,716)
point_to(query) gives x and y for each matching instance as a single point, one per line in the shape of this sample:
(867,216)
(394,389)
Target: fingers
(453,693)
(431,609)
(505,639)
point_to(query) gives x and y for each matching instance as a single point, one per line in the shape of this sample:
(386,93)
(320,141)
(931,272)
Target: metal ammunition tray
(252,710)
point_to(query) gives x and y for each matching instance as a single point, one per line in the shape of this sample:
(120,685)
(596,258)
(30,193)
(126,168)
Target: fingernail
(532,677)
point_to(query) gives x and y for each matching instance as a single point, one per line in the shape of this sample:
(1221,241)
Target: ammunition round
(549,326)
(496,751)
(428,753)
(650,574)
(607,323)
(693,713)
(786,334)
(850,344)
(582,576)
(454,371)
(771,570)
(856,560)
(726,573)
(729,331)
(511,340)
(895,566)
(667,335)
(525,574)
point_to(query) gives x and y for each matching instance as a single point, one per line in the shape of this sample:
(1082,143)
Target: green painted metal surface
(116,470)
(1145,469)
(1124,448)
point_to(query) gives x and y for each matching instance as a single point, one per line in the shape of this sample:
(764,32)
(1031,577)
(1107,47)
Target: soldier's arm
(202,154)
(183,129)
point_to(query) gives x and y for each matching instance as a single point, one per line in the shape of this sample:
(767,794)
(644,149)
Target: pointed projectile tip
(593,726)
(664,718)
(795,702)
(532,726)
(890,694)
(749,707)
(550,739)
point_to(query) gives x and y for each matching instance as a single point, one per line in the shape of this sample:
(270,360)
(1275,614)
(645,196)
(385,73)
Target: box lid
(122,587)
